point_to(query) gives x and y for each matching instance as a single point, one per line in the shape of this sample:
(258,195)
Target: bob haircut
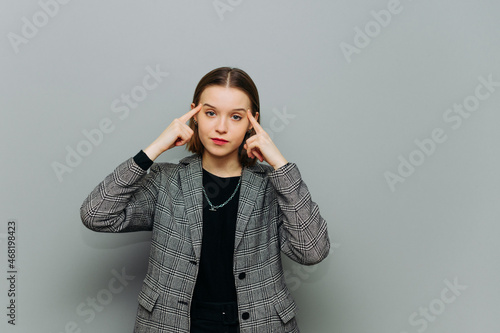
(231,78)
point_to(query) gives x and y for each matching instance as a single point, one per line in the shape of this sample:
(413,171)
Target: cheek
(203,125)
(240,132)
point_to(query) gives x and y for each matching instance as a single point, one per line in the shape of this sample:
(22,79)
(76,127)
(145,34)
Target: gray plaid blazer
(275,213)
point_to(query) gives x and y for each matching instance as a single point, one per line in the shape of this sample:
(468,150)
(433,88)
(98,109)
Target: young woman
(219,219)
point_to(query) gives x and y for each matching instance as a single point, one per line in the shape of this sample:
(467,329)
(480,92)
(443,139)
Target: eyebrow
(213,107)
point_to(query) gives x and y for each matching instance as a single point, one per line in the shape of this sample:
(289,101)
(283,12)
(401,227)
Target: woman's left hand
(261,146)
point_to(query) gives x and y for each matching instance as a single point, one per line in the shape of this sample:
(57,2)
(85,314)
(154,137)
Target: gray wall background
(347,92)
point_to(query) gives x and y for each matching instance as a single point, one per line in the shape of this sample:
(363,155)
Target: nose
(221,126)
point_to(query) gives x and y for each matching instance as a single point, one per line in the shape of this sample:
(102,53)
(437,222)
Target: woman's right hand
(178,133)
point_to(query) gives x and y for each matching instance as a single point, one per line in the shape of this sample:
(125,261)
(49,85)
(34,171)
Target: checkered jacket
(275,213)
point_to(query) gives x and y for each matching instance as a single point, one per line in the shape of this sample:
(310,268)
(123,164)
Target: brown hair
(232,78)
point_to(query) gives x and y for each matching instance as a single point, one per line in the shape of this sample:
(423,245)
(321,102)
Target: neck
(227,166)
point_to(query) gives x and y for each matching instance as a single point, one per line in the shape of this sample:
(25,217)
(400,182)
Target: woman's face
(222,121)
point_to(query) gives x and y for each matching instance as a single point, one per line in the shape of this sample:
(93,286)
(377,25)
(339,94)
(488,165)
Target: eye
(210,113)
(237,117)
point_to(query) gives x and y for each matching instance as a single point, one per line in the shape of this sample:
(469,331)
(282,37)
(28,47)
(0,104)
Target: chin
(222,152)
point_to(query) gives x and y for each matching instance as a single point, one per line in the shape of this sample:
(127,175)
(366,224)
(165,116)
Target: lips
(219,141)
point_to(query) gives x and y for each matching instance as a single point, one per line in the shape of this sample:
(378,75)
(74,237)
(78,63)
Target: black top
(215,281)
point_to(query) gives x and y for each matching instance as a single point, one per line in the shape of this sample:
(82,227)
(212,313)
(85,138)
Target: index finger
(185,117)
(256,125)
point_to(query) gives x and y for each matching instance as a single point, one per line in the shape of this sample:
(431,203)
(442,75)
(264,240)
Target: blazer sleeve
(124,201)
(302,230)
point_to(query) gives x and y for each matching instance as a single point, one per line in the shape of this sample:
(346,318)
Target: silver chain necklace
(214,208)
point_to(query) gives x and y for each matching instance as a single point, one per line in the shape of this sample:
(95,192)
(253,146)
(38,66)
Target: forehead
(225,97)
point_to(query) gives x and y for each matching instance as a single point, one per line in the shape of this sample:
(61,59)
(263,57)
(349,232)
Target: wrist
(278,164)
(153,151)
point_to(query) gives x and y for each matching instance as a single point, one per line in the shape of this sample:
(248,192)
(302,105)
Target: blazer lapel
(252,179)
(191,177)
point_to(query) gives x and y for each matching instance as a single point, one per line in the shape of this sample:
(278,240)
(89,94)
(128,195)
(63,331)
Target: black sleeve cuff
(142,160)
